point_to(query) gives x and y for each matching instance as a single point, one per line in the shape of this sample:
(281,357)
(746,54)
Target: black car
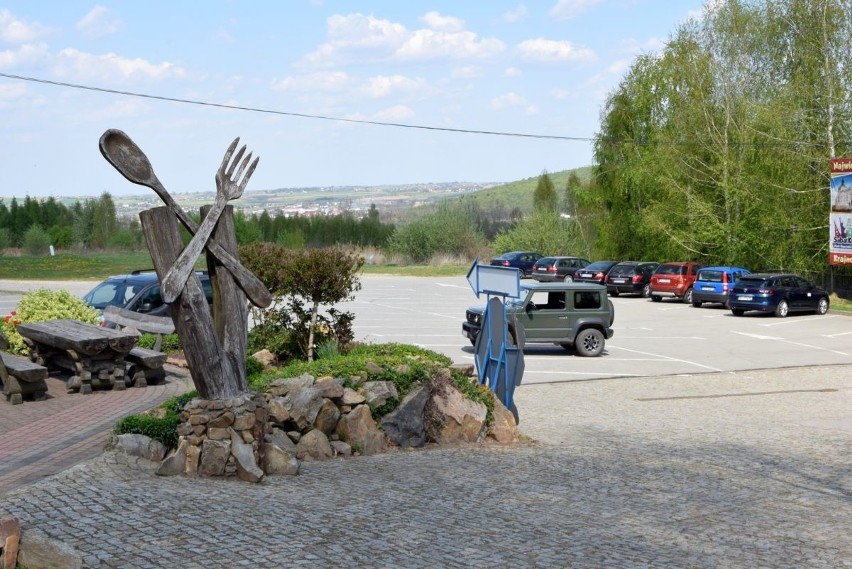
(553,269)
(594,273)
(631,277)
(138,291)
(777,293)
(521,260)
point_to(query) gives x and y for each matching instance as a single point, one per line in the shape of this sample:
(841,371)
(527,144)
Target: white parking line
(667,358)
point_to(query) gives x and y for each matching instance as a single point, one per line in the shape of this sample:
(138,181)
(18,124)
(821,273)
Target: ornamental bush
(40,306)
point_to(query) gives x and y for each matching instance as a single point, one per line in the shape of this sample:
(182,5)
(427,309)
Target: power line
(290,114)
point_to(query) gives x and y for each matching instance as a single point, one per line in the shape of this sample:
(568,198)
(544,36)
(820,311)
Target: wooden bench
(145,366)
(19,376)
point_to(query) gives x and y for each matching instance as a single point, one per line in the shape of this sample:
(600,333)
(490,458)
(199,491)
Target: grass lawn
(97,266)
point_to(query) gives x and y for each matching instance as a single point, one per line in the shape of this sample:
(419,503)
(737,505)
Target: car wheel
(822,305)
(738,311)
(568,279)
(613,293)
(687,296)
(656,298)
(590,342)
(782,310)
(696,304)
(646,291)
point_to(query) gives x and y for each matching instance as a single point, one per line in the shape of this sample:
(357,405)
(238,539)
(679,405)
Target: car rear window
(671,270)
(711,276)
(750,281)
(545,261)
(622,271)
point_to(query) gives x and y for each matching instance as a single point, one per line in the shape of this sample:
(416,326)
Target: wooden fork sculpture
(229,186)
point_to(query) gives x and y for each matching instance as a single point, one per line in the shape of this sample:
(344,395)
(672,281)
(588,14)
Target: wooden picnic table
(93,354)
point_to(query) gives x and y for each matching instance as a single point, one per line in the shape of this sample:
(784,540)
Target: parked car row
(735,288)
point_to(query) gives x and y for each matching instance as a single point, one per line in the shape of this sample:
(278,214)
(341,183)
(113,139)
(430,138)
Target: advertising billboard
(840,218)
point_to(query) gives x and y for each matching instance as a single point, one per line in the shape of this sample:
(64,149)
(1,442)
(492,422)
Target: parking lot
(651,338)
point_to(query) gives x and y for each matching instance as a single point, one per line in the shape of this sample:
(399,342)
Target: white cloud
(383,86)
(436,21)
(512,72)
(531,110)
(394,113)
(429,44)
(99,22)
(325,81)
(14,31)
(25,54)
(357,37)
(517,14)
(507,100)
(567,9)
(553,50)
(80,65)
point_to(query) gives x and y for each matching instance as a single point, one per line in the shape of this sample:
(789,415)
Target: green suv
(575,315)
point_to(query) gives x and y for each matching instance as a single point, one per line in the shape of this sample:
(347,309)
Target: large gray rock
(214,458)
(314,445)
(329,387)
(454,418)
(276,460)
(279,409)
(141,446)
(352,397)
(41,552)
(503,428)
(359,429)
(280,439)
(377,393)
(304,406)
(175,463)
(327,417)
(10,540)
(404,425)
(283,386)
(247,468)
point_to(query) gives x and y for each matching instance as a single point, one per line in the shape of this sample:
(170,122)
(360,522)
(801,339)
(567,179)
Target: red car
(674,280)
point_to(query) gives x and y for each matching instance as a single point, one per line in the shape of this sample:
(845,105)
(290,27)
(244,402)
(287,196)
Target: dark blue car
(778,293)
(521,260)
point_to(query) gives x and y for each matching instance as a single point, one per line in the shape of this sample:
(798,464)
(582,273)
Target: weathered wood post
(212,371)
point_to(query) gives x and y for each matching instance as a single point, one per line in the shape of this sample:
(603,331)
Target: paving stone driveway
(748,469)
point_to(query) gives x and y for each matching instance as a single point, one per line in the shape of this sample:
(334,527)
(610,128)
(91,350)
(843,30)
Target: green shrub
(163,430)
(36,240)
(170,344)
(253,366)
(40,306)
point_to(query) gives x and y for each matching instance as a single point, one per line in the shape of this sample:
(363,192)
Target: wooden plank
(146,357)
(230,305)
(210,368)
(145,323)
(22,368)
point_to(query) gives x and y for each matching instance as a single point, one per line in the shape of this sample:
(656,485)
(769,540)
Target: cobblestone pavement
(38,439)
(747,469)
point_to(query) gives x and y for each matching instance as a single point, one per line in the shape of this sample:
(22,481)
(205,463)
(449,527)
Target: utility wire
(290,114)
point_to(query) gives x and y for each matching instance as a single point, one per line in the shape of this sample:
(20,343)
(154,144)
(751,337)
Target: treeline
(93,224)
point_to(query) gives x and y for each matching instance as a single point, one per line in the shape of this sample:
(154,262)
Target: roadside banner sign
(840,217)
(493,280)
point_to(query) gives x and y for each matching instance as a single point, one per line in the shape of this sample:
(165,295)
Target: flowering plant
(42,305)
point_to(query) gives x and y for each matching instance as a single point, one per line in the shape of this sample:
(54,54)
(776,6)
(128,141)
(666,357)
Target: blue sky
(535,67)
